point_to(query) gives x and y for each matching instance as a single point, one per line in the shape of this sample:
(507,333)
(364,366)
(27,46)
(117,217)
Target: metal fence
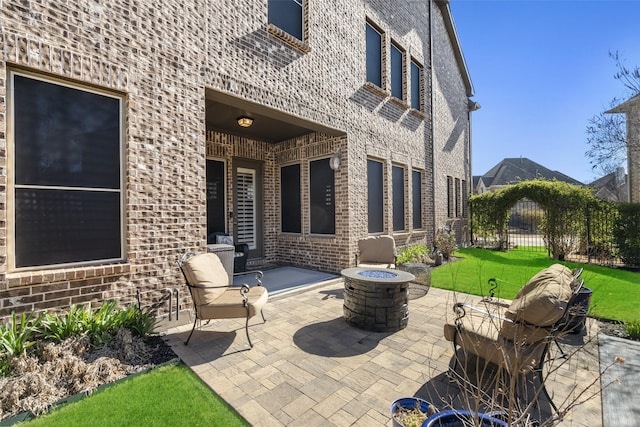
(588,237)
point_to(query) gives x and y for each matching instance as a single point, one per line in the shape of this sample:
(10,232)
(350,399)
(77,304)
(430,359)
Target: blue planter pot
(455,418)
(409,403)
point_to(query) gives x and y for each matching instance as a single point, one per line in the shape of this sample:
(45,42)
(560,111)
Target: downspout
(433,145)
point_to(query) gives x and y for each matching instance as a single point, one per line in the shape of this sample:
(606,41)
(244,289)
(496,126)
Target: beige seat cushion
(543,300)
(479,336)
(206,270)
(377,249)
(229,304)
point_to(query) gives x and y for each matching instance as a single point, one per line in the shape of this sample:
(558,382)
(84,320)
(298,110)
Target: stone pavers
(309,368)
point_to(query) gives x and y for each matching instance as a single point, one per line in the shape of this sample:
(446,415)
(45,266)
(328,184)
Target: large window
(322,197)
(416,85)
(290,201)
(397,72)
(67,177)
(397,178)
(216,194)
(416,198)
(374,55)
(375,196)
(457,196)
(450,196)
(288,16)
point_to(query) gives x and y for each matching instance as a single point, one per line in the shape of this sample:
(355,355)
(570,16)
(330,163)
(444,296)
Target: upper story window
(65,194)
(397,72)
(288,15)
(374,55)
(416,85)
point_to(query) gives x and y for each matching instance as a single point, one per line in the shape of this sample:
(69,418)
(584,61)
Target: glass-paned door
(248,206)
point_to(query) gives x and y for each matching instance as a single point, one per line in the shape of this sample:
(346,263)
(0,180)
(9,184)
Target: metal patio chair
(212,293)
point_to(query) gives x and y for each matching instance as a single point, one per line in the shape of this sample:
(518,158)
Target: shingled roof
(514,170)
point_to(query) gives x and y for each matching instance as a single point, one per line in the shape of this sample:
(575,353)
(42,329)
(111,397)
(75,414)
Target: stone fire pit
(376,299)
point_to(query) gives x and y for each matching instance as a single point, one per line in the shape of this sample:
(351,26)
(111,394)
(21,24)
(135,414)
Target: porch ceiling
(222,112)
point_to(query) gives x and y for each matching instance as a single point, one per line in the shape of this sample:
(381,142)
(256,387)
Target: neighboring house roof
(455,42)
(612,187)
(514,170)
(626,105)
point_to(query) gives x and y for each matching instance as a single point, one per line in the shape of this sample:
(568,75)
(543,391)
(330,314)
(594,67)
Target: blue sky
(541,70)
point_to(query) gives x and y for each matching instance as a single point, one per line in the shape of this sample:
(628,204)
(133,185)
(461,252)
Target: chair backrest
(380,249)
(539,305)
(205,276)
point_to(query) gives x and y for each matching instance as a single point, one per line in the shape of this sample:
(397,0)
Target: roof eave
(457,48)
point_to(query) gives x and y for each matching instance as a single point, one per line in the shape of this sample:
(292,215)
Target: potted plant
(459,418)
(411,411)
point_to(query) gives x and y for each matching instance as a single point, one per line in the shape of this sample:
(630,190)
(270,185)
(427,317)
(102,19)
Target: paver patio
(309,368)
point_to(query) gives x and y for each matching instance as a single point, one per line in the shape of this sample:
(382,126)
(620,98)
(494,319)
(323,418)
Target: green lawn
(167,396)
(616,292)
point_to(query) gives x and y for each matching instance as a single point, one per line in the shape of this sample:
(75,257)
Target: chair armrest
(259,274)
(357,258)
(460,309)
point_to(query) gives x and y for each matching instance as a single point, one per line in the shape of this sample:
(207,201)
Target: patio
(309,367)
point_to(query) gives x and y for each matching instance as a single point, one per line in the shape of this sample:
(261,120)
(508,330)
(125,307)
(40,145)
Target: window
(375,196)
(67,182)
(416,85)
(322,208)
(397,72)
(216,210)
(457,195)
(416,195)
(290,201)
(397,179)
(374,55)
(465,198)
(450,201)
(288,16)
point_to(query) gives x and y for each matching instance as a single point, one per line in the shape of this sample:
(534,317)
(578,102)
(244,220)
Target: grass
(616,292)
(170,395)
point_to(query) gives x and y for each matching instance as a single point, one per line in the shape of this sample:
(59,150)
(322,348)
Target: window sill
(37,277)
(376,89)
(400,103)
(419,114)
(288,39)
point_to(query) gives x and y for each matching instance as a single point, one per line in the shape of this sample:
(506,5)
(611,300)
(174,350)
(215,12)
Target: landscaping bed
(55,371)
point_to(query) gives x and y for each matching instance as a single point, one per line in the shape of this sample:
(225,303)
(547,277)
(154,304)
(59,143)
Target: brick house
(631,109)
(129,132)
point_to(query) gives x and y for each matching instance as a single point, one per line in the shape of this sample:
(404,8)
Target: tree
(606,133)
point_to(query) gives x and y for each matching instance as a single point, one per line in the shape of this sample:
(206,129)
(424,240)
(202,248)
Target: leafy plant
(140,322)
(626,232)
(15,337)
(58,327)
(101,324)
(417,253)
(633,329)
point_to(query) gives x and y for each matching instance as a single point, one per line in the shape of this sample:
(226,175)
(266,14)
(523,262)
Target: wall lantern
(335,160)
(245,121)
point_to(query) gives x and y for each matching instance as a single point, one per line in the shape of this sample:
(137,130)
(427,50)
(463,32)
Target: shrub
(626,233)
(139,322)
(59,327)
(633,329)
(417,253)
(445,242)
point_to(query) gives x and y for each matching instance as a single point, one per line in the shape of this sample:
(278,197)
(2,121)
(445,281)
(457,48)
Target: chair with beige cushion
(376,252)
(212,293)
(518,339)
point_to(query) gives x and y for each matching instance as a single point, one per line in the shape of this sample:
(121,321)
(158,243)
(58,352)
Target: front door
(248,218)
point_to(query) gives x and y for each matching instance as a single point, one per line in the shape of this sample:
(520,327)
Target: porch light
(245,121)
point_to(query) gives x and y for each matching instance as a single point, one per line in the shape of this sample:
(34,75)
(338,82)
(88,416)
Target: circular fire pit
(376,299)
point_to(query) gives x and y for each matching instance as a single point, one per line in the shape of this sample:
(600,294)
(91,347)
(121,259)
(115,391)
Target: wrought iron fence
(585,235)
